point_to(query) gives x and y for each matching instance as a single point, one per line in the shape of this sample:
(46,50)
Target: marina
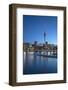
(40,45)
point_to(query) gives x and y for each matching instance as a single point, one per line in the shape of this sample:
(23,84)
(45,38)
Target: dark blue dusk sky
(35,26)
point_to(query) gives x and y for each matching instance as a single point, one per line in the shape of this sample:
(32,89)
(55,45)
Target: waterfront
(39,44)
(35,64)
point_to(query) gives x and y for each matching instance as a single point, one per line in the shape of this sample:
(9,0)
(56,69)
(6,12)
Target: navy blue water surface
(35,64)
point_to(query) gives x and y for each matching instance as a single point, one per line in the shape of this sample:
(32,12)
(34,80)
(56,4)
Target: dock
(49,56)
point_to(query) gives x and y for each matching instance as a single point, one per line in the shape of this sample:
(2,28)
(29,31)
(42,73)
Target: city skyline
(35,26)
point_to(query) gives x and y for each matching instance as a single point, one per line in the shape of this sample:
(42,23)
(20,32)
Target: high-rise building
(44,37)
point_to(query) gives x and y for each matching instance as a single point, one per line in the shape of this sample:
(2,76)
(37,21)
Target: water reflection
(35,64)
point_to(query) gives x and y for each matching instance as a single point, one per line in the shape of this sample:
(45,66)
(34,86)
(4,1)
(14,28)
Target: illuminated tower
(44,37)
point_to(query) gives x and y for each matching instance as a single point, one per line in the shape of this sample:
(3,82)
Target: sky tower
(44,37)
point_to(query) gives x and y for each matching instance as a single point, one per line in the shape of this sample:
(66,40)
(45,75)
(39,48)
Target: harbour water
(35,64)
